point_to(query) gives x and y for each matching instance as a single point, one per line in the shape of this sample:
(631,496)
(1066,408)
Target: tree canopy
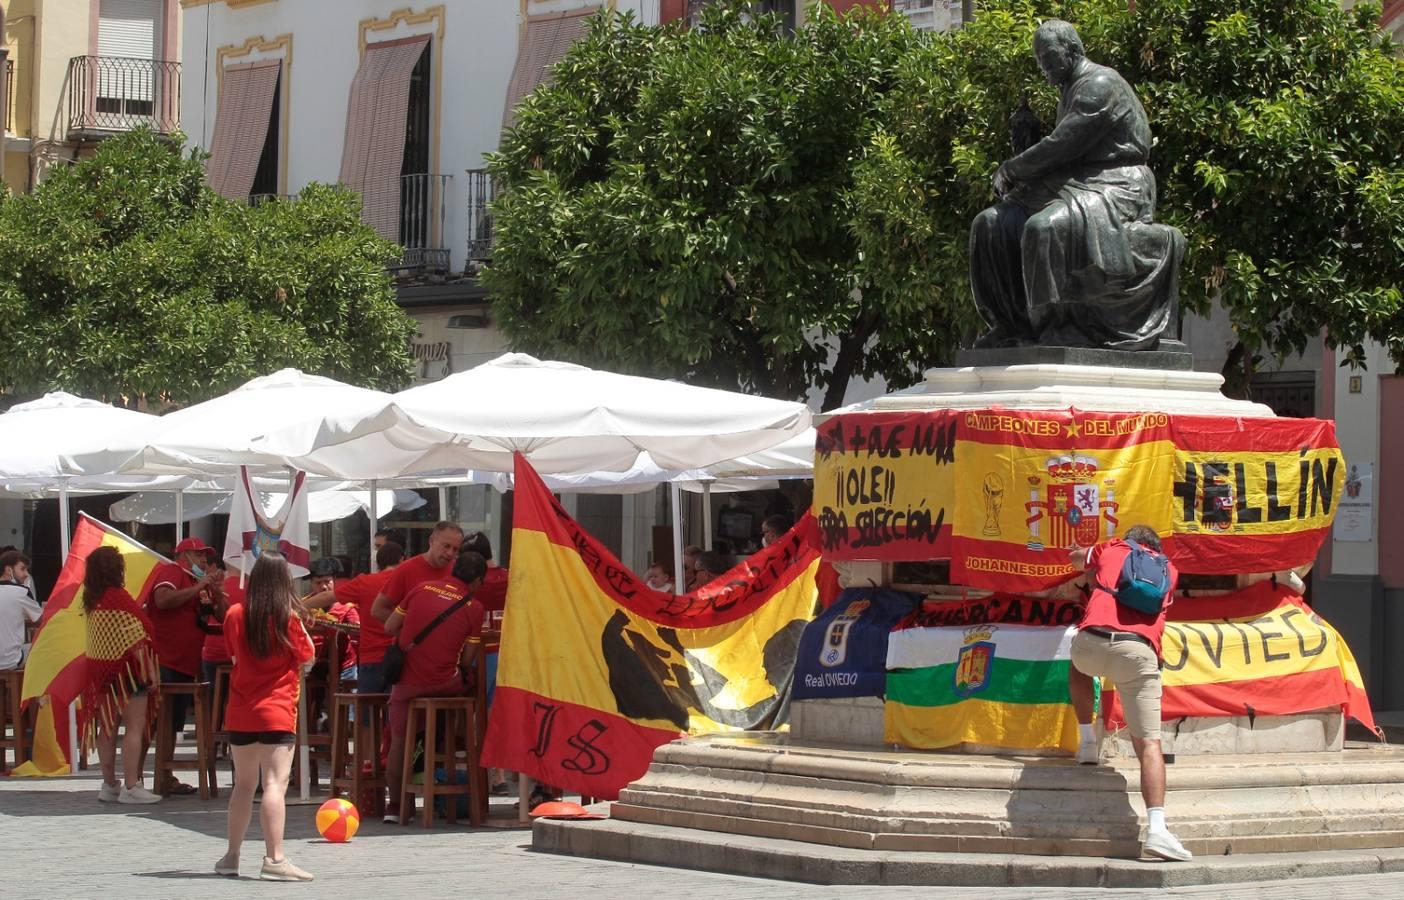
(733,201)
(124,277)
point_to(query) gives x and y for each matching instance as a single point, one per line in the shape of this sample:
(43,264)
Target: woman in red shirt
(122,675)
(268,644)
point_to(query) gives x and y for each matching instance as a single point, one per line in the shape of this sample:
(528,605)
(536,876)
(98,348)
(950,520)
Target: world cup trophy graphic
(994,502)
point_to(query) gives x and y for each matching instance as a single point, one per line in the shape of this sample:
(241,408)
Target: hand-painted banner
(1255,491)
(597,670)
(56,672)
(884,485)
(843,653)
(1260,651)
(1005,493)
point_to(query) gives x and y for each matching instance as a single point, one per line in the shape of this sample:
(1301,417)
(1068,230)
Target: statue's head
(1058,48)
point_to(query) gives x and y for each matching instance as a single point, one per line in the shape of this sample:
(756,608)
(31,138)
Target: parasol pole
(707,515)
(374,524)
(64,538)
(675,494)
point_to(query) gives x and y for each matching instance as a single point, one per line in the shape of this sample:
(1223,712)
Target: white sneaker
(138,794)
(228,865)
(1089,753)
(1165,845)
(109,793)
(282,870)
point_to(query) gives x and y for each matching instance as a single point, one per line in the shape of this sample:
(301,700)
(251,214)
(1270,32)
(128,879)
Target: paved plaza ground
(57,841)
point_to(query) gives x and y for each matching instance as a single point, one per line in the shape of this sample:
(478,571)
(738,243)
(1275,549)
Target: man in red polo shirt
(360,592)
(434,564)
(440,665)
(180,596)
(1122,644)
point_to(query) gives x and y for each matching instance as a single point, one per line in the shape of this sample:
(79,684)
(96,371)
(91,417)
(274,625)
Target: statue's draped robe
(1070,255)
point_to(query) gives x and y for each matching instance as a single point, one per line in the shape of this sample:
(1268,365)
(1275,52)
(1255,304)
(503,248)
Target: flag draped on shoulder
(253,532)
(67,662)
(597,670)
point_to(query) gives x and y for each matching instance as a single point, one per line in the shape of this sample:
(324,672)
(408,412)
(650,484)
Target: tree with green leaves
(732,202)
(124,277)
(674,204)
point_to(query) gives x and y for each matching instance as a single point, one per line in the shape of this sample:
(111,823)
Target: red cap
(192,543)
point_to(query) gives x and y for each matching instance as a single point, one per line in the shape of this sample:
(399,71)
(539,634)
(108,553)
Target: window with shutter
(127,42)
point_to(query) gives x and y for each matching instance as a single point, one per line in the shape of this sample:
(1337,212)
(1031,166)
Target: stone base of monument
(858,722)
(774,807)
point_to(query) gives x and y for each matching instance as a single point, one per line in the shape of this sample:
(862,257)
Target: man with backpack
(1132,585)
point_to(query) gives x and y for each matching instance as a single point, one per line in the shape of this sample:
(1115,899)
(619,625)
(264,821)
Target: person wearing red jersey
(269,646)
(434,564)
(439,653)
(181,598)
(121,675)
(213,653)
(360,593)
(493,596)
(1122,644)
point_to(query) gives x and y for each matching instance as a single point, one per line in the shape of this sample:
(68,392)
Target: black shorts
(245,738)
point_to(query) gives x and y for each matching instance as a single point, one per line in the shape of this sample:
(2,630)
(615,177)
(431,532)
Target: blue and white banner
(843,653)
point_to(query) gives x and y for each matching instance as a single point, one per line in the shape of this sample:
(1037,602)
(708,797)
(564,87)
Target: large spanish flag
(597,670)
(1260,651)
(57,669)
(1003,493)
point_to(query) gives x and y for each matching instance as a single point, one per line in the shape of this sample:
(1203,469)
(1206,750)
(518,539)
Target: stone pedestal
(773,806)
(1042,385)
(857,723)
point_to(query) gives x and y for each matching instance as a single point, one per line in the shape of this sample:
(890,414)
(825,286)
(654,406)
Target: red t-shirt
(434,660)
(1104,612)
(492,594)
(263,690)
(178,636)
(215,650)
(410,574)
(361,592)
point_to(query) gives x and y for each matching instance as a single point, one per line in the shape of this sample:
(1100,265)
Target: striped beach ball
(338,820)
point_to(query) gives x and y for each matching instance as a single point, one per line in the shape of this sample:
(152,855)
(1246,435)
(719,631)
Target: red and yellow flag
(56,671)
(597,670)
(1260,651)
(1005,493)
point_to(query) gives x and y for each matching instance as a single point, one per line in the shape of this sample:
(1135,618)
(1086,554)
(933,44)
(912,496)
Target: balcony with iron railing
(423,211)
(112,94)
(481,192)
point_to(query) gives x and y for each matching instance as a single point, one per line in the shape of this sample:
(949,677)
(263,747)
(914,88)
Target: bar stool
(166,763)
(465,723)
(12,717)
(360,720)
(219,703)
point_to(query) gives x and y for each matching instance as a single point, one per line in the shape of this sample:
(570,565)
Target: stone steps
(795,860)
(924,802)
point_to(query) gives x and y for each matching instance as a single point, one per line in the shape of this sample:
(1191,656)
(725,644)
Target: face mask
(197,571)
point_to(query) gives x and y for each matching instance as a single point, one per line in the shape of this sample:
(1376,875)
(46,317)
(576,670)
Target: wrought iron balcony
(423,209)
(481,192)
(110,94)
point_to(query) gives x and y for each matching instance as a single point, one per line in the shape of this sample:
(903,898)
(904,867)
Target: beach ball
(338,820)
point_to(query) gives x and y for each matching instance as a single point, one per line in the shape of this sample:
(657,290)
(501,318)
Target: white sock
(1085,734)
(1155,818)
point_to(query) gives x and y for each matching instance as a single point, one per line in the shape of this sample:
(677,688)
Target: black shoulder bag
(393,665)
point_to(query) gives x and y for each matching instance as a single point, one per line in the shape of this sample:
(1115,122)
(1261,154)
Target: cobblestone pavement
(58,842)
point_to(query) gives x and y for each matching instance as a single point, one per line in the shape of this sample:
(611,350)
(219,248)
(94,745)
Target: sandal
(179,787)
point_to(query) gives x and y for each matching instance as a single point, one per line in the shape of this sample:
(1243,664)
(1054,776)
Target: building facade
(77,71)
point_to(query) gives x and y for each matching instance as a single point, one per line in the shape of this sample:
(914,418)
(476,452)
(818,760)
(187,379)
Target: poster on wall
(1355,517)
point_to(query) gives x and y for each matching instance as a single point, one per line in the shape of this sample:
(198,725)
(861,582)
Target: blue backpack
(1144,581)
